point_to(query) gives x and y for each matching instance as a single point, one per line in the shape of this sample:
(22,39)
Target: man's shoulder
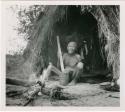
(65,55)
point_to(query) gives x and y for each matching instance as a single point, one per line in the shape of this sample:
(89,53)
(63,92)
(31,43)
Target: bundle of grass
(69,23)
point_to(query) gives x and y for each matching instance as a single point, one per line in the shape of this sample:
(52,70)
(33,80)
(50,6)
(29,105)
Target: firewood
(17,82)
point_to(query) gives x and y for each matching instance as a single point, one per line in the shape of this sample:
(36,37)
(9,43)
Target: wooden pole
(17,82)
(60,54)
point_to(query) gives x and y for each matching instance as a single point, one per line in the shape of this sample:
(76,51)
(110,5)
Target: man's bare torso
(71,60)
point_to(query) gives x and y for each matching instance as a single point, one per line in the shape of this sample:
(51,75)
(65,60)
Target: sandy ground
(85,95)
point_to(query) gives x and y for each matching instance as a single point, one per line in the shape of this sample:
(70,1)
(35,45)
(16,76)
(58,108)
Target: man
(72,64)
(72,67)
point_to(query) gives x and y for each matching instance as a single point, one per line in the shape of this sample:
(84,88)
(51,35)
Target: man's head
(72,46)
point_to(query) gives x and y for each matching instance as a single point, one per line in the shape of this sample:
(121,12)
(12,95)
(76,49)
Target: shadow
(94,80)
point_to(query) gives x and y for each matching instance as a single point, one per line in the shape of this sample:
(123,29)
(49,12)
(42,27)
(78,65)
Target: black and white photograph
(62,55)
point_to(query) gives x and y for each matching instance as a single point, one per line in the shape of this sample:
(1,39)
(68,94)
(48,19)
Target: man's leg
(56,70)
(64,76)
(64,79)
(47,72)
(75,76)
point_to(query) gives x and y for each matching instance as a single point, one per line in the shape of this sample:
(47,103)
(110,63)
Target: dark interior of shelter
(82,28)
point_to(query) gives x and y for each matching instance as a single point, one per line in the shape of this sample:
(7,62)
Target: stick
(60,54)
(16,82)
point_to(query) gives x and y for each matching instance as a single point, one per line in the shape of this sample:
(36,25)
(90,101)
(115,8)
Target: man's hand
(67,70)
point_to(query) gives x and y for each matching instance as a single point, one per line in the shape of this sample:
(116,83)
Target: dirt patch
(85,95)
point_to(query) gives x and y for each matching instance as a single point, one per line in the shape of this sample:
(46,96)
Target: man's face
(71,47)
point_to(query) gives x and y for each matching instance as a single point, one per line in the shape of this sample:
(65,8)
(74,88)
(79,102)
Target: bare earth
(85,95)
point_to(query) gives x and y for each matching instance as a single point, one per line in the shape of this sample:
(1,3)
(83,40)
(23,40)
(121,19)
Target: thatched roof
(43,37)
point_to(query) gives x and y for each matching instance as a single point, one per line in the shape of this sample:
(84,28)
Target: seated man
(72,64)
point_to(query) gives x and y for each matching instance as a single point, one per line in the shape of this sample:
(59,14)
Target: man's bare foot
(72,83)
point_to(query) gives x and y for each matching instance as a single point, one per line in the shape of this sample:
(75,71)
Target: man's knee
(50,66)
(80,65)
